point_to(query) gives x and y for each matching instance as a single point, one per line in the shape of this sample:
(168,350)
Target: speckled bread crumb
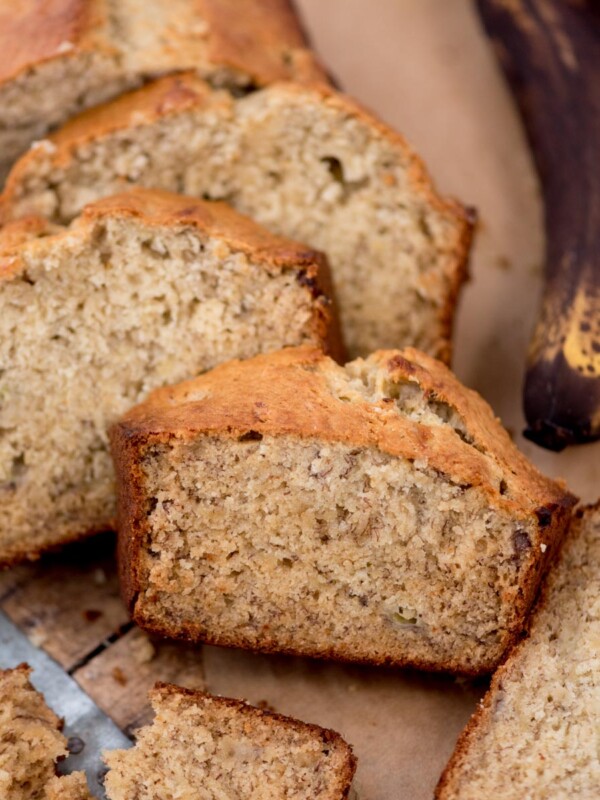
(31,741)
(74,54)
(376,512)
(304,161)
(536,733)
(143,289)
(211,747)
(69,787)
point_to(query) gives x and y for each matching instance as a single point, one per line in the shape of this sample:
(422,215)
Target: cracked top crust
(369,403)
(263,41)
(160,208)
(215,219)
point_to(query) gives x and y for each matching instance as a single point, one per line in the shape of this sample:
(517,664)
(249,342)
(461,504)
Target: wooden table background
(425,66)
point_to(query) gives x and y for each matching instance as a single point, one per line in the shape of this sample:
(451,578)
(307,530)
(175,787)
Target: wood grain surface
(69,605)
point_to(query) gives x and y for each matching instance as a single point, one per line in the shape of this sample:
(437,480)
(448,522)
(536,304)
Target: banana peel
(550,50)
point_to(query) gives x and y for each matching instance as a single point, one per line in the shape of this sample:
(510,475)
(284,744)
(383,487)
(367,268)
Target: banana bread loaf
(62,56)
(304,161)
(535,734)
(31,743)
(212,747)
(376,512)
(144,289)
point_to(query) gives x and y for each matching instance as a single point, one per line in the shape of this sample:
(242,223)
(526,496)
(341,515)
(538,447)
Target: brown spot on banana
(550,50)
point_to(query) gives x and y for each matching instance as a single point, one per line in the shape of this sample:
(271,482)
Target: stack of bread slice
(304,161)
(141,290)
(64,56)
(374,512)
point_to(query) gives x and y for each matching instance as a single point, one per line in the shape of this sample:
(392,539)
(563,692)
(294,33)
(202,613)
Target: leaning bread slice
(63,56)
(376,512)
(31,743)
(215,748)
(143,289)
(305,162)
(535,734)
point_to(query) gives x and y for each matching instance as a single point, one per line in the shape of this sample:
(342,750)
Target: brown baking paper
(426,68)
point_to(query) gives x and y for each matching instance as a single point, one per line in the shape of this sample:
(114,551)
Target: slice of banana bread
(31,743)
(212,748)
(143,289)
(376,512)
(305,162)
(536,732)
(62,56)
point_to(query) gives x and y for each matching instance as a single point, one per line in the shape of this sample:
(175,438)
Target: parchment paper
(426,68)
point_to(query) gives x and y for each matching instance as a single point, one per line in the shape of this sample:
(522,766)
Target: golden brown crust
(290,388)
(177,94)
(160,208)
(31,34)
(167,96)
(215,219)
(264,42)
(327,735)
(286,393)
(481,718)
(484,428)
(172,94)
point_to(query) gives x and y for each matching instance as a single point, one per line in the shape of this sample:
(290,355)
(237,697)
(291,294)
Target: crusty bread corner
(446,227)
(301,394)
(312,750)
(529,668)
(156,208)
(300,402)
(265,42)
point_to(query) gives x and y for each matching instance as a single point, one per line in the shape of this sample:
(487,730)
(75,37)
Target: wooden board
(69,604)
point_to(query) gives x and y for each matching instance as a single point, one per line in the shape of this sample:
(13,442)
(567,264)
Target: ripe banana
(550,50)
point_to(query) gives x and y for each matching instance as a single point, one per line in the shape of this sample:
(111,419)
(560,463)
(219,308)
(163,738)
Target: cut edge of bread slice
(484,740)
(184,281)
(404,273)
(239,736)
(404,406)
(158,208)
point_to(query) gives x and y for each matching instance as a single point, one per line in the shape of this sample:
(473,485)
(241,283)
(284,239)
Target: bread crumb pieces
(142,649)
